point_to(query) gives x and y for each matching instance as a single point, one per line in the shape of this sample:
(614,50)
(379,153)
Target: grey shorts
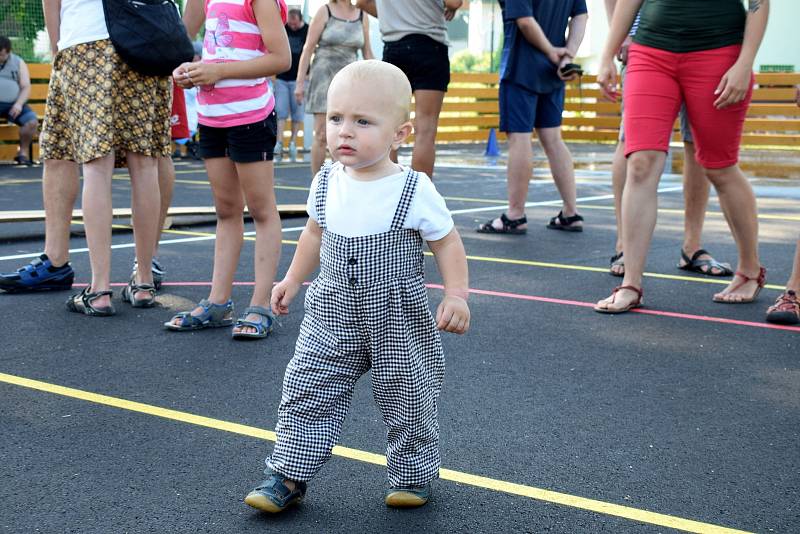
(286,105)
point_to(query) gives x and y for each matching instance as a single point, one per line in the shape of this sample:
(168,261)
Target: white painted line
(300,228)
(131,245)
(555,202)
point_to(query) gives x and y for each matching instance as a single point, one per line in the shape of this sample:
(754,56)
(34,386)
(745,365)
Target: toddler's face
(362,125)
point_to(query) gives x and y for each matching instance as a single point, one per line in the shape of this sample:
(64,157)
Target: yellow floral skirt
(96,104)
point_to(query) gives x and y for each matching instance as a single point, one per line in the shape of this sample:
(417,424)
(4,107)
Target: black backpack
(149,35)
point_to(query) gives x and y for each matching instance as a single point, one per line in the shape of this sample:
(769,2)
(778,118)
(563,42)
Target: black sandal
(559,222)
(82,303)
(705,267)
(510,226)
(130,291)
(617,261)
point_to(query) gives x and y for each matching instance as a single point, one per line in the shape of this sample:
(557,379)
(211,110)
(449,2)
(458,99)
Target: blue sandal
(273,496)
(213,316)
(263,327)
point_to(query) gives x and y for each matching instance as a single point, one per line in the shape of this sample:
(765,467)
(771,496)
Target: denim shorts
(246,143)
(423,60)
(286,104)
(25,116)
(521,110)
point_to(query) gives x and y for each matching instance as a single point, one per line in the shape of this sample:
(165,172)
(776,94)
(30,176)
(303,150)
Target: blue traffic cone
(492,148)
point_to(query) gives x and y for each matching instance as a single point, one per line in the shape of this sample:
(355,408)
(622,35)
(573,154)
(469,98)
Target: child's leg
(229,204)
(317,389)
(256,180)
(406,383)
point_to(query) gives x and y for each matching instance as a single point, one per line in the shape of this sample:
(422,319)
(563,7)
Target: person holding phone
(535,51)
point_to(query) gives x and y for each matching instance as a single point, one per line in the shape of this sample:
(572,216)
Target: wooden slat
(470,92)
(781,110)
(595,122)
(759,95)
(778,78)
(588,135)
(38,91)
(40,70)
(483,120)
(9,132)
(7,152)
(772,125)
(772,140)
(286,210)
(480,107)
(474,77)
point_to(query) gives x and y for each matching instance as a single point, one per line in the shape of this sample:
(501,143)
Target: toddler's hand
(282,295)
(452,315)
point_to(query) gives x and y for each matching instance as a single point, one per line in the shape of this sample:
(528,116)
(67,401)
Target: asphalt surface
(690,411)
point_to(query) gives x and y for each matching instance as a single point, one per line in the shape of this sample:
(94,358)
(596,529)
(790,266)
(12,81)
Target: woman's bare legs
(739,206)
(97,215)
(639,211)
(146,201)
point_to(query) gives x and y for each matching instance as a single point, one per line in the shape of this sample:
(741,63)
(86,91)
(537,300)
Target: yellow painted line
(564,499)
(671,211)
(16,181)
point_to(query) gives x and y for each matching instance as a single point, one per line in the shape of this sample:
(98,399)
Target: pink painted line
(643,311)
(549,300)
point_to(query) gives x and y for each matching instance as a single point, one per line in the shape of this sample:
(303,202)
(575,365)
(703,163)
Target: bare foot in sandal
(504,225)
(743,288)
(621,300)
(617,267)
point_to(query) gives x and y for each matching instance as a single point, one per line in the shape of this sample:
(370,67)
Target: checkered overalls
(367,309)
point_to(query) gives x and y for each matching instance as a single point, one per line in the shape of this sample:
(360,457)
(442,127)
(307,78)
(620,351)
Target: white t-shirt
(356,208)
(82,21)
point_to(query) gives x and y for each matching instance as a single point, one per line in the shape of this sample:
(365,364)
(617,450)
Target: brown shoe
(786,309)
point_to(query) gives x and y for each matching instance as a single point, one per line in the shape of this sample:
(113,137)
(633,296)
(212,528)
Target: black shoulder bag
(149,35)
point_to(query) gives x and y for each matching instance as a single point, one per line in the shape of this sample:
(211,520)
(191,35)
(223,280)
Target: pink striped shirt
(232,34)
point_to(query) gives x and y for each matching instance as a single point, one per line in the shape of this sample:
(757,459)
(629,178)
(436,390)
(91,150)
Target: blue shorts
(521,110)
(25,116)
(285,103)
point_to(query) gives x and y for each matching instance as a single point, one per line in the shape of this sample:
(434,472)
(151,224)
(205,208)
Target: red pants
(656,83)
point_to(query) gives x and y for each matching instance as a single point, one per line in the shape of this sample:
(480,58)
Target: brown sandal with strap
(634,304)
(761,280)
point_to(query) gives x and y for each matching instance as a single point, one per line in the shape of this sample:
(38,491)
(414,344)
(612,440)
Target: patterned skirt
(96,104)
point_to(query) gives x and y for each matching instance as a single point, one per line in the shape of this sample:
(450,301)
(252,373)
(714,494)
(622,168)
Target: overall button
(352,281)
(352,261)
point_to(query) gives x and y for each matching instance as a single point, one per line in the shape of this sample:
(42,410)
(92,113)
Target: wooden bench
(9,132)
(471,108)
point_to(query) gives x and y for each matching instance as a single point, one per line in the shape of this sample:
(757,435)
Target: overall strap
(322,193)
(406,197)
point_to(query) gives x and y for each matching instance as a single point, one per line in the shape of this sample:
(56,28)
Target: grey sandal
(82,303)
(213,316)
(130,291)
(263,327)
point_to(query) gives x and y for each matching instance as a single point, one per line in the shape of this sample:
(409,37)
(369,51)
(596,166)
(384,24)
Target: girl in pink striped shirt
(245,44)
